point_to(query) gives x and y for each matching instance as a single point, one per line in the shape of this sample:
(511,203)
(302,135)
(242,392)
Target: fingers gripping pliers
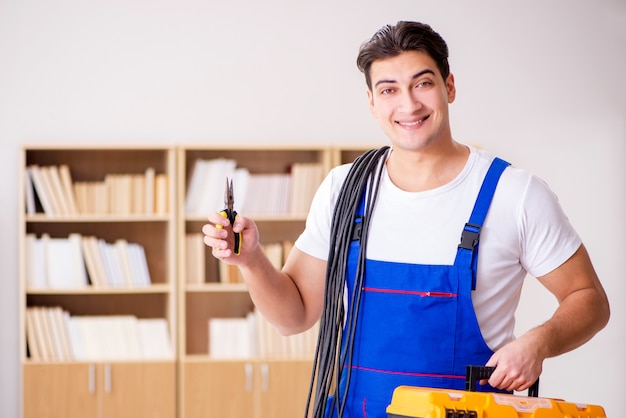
(230,213)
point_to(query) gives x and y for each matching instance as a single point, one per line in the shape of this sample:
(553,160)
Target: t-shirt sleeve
(548,238)
(315,239)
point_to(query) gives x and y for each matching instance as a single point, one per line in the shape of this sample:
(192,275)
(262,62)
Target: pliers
(231,214)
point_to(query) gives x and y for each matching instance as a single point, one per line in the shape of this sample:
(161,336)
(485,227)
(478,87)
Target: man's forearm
(274,293)
(577,319)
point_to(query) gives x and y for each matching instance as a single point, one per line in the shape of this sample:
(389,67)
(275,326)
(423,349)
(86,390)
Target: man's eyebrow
(416,75)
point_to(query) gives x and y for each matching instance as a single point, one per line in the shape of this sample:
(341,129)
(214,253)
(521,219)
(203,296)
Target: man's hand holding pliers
(230,213)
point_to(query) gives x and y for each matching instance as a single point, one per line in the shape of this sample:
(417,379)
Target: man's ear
(451,88)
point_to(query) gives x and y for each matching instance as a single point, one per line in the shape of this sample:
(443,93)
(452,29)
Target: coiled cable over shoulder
(332,352)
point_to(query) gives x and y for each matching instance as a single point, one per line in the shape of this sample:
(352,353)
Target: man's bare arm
(290,299)
(583,311)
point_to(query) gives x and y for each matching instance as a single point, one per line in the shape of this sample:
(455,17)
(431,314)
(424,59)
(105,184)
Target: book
(29,193)
(138,182)
(306,178)
(122,257)
(42,190)
(154,338)
(54,177)
(205,192)
(160,194)
(43,333)
(195,263)
(53,192)
(94,262)
(139,264)
(231,338)
(65,268)
(68,189)
(33,341)
(149,184)
(35,268)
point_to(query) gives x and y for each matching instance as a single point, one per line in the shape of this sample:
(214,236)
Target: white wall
(539,83)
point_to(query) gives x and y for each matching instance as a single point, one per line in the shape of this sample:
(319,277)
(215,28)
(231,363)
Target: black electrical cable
(330,358)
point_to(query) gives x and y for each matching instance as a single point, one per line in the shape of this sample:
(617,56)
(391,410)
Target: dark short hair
(391,41)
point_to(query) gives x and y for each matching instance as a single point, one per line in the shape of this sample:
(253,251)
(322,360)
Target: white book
(211,198)
(121,250)
(112,265)
(76,343)
(35,254)
(61,263)
(131,336)
(74,351)
(54,316)
(231,338)
(195,186)
(154,339)
(139,264)
(113,336)
(241,183)
(106,263)
(87,329)
(79,270)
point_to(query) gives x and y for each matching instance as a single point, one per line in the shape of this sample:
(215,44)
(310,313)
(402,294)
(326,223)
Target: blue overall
(416,323)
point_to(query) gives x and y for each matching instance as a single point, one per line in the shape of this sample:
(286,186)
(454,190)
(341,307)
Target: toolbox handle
(475,373)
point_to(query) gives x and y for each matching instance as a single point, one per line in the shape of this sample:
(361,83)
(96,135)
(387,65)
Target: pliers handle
(231,214)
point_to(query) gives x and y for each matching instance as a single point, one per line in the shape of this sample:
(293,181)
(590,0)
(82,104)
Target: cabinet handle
(92,379)
(249,383)
(107,378)
(265,377)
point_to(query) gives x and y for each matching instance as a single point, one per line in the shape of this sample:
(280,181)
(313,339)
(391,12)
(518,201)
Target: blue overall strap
(467,253)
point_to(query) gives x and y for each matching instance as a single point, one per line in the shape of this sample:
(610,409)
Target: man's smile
(413,123)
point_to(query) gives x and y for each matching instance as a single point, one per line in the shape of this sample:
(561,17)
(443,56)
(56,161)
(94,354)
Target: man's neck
(418,171)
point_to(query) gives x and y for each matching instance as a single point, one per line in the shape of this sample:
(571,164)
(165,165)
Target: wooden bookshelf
(188,288)
(115,381)
(258,381)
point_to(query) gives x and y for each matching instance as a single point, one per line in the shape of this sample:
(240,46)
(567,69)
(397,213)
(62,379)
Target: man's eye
(386,91)
(423,84)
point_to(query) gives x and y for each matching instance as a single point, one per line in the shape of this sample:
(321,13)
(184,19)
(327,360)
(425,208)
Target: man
(422,299)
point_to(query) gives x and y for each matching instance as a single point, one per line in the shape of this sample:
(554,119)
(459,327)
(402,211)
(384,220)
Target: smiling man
(390,259)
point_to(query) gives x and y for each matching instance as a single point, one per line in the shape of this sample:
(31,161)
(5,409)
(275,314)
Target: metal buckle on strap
(469,237)
(358,228)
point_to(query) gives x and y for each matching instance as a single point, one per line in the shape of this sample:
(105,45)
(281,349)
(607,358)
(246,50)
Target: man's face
(409,98)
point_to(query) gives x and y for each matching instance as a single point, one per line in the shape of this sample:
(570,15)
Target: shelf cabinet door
(138,390)
(241,389)
(59,390)
(219,389)
(100,391)
(283,388)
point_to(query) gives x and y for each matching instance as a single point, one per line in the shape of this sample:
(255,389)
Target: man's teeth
(417,122)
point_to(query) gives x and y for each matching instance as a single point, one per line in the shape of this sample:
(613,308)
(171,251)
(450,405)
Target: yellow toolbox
(414,402)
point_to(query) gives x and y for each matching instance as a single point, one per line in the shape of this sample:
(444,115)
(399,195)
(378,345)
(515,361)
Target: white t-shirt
(525,231)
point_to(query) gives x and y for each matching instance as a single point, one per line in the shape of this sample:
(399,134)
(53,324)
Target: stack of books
(267,194)
(79,261)
(255,337)
(116,194)
(53,335)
